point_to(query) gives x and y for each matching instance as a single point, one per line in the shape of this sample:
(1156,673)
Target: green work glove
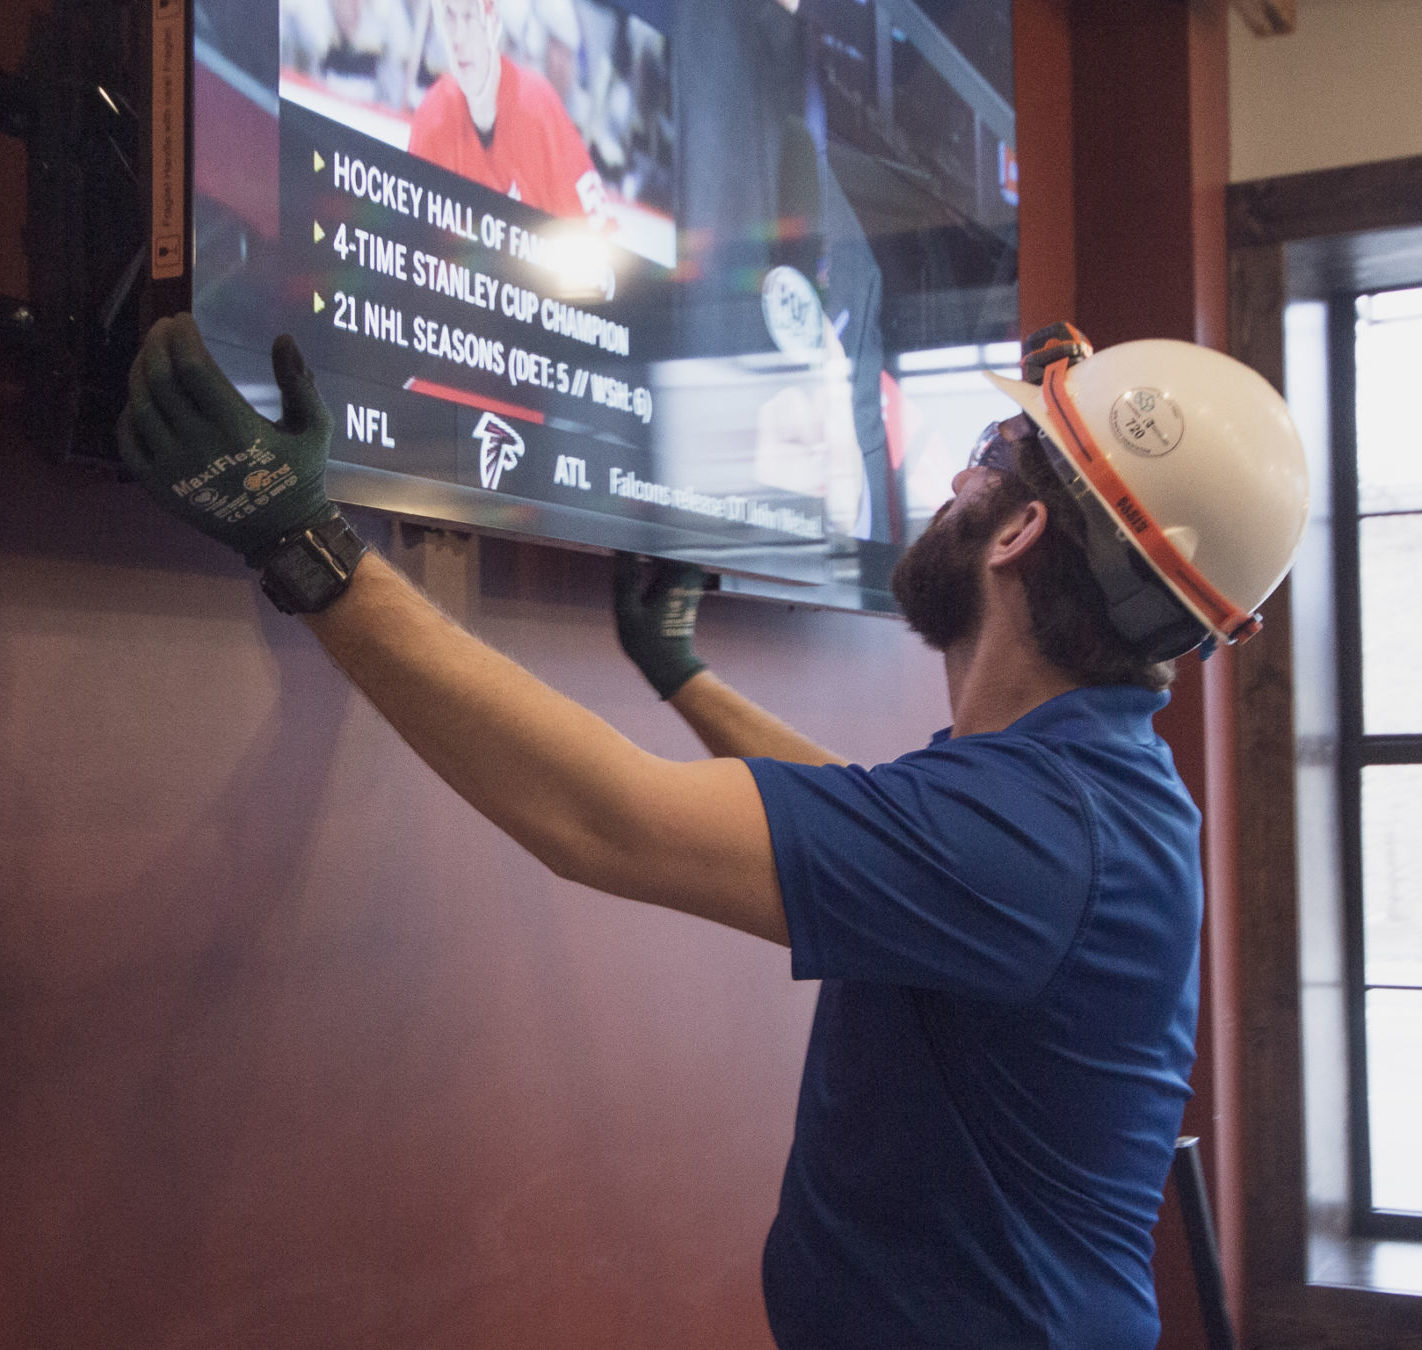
(206,456)
(656,606)
(1050,344)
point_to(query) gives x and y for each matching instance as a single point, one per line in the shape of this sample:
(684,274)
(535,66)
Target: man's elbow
(617,863)
(651,876)
(572,857)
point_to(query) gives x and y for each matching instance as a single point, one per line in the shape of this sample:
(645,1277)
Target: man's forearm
(728,723)
(553,775)
(480,721)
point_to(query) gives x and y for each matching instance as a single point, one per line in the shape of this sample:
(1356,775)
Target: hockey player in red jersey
(500,123)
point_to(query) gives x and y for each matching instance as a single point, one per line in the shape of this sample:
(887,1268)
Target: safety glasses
(997,446)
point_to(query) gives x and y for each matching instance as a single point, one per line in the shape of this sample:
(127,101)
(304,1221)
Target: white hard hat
(1193,457)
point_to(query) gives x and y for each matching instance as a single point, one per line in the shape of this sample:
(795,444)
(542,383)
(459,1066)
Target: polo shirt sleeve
(968,867)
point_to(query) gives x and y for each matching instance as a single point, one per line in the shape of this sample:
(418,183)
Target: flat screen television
(703,279)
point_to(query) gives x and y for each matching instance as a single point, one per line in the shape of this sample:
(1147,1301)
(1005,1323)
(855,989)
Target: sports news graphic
(637,275)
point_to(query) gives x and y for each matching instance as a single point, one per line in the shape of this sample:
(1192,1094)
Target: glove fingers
(301,405)
(627,580)
(672,600)
(134,455)
(153,371)
(152,438)
(656,604)
(628,607)
(667,577)
(212,395)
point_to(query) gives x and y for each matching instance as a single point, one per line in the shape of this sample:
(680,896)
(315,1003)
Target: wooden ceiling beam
(1268,18)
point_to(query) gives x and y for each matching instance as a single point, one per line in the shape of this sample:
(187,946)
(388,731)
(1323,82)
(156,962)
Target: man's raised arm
(656,604)
(558,779)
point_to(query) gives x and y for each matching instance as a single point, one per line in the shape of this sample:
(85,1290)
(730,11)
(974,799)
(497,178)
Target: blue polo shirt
(1007,928)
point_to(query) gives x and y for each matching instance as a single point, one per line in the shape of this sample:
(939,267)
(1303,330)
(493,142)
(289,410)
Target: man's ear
(1017,534)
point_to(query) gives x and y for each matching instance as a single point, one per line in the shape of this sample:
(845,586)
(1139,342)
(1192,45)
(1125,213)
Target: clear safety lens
(996,447)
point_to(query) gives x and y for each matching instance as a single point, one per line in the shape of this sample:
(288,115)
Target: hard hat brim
(1031,400)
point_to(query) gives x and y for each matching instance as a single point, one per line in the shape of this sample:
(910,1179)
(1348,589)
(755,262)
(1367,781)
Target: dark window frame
(1357,751)
(1306,1280)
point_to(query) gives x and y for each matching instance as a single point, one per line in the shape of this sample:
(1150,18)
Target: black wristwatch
(310,567)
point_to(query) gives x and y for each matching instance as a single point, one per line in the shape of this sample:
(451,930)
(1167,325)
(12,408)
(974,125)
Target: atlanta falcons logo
(500,448)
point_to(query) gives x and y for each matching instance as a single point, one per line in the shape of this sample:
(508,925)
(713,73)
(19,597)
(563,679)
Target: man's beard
(938,581)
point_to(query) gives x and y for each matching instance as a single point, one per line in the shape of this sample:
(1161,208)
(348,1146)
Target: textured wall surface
(294,1049)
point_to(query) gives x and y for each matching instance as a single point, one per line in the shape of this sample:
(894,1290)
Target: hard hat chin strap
(1129,520)
(1139,606)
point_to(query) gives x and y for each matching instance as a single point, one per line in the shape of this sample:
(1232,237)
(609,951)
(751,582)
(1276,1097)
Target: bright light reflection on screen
(686,279)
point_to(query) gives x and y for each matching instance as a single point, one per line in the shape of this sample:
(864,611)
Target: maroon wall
(295,1050)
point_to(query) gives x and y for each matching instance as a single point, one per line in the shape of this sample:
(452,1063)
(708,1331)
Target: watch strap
(312,566)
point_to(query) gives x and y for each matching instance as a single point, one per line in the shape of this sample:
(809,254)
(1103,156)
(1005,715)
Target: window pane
(1391,570)
(1392,875)
(1395,1098)
(1389,464)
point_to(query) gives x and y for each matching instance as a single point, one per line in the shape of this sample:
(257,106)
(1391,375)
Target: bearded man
(1005,922)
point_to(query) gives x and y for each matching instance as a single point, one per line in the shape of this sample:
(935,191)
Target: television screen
(702,280)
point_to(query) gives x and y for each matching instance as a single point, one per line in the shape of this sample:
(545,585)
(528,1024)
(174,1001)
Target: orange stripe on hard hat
(1235,624)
